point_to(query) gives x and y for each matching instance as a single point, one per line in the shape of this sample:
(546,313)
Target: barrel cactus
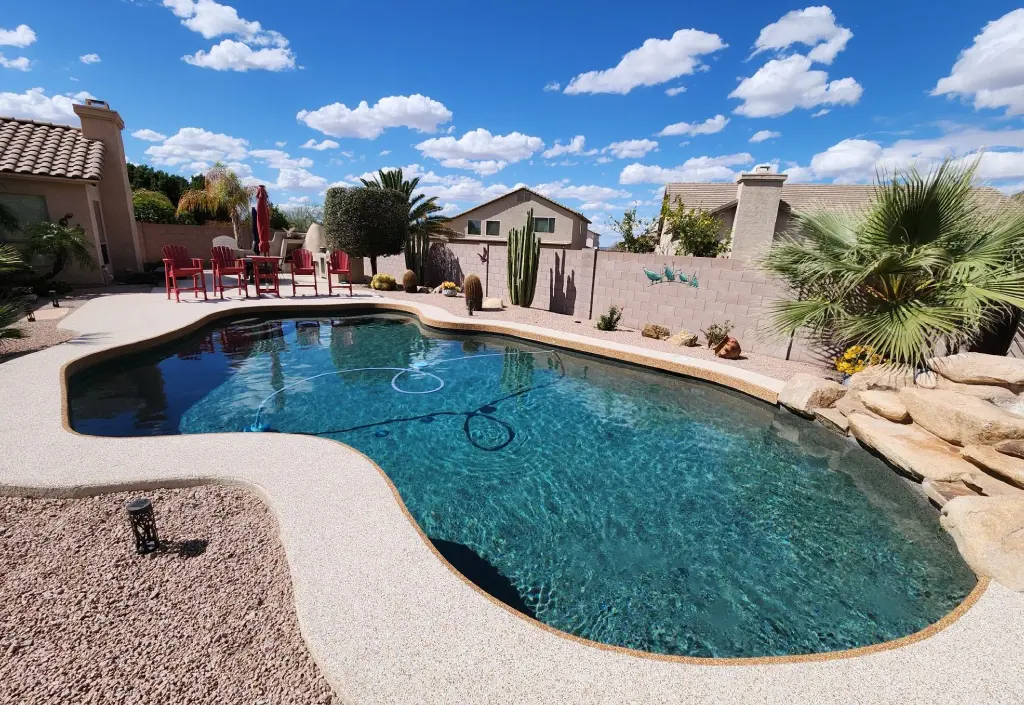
(409,281)
(474,293)
(523,261)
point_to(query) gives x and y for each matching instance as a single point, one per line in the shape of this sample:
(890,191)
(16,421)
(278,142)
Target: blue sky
(596,104)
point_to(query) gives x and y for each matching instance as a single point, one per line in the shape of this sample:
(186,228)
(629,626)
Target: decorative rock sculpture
(728,349)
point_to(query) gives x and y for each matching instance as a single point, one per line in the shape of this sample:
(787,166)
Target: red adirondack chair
(224,262)
(177,264)
(338,264)
(302,263)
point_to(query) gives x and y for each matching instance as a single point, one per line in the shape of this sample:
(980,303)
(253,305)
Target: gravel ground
(770,366)
(83,619)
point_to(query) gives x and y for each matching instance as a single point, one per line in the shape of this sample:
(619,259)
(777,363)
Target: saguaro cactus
(416,246)
(523,260)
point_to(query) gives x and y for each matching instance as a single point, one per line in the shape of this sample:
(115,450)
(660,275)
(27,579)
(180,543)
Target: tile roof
(42,149)
(702,196)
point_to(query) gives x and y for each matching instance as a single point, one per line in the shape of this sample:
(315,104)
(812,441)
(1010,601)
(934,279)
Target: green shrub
(716,333)
(610,320)
(695,233)
(152,207)
(383,282)
(366,222)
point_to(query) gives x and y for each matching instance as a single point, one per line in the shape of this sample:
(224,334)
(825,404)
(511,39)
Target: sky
(595,104)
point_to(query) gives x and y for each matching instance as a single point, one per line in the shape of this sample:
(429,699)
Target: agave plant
(927,267)
(223,194)
(423,218)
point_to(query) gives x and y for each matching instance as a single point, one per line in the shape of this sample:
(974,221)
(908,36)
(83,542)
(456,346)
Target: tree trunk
(56,268)
(997,338)
(373,265)
(234,226)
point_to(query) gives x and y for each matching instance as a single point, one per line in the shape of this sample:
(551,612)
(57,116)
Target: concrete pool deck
(386,619)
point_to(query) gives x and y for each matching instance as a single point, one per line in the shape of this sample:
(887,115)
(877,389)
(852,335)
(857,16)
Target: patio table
(266,269)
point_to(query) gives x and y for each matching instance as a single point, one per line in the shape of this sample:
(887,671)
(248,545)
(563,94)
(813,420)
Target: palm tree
(423,218)
(60,243)
(10,310)
(223,194)
(927,265)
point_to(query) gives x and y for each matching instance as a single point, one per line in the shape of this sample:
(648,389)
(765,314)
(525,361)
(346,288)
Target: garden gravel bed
(770,366)
(209,619)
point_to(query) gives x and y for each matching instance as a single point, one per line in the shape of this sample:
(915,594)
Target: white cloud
(449,209)
(20,64)
(813,26)
(90,58)
(297,179)
(631,149)
(593,206)
(821,113)
(564,189)
(675,91)
(708,127)
(211,19)
(298,201)
(149,135)
(481,151)
(695,169)
(276,159)
(655,61)
(991,71)
(194,144)
(782,85)
(604,160)
(279,145)
(383,153)
(762,135)
(846,160)
(577,145)
(21,36)
(552,86)
(417,112)
(320,146)
(34,104)
(464,189)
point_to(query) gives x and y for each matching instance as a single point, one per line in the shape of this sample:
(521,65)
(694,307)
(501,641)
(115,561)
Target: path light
(30,313)
(53,298)
(140,515)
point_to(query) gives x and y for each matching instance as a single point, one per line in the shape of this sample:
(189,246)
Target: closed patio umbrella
(263,219)
(255,232)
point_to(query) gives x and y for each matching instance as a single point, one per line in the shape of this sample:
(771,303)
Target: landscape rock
(989,531)
(653,330)
(850,403)
(805,392)
(885,404)
(833,420)
(881,377)
(961,419)
(1013,447)
(1006,467)
(910,448)
(684,338)
(729,349)
(978,368)
(492,304)
(942,492)
(985,484)
(988,392)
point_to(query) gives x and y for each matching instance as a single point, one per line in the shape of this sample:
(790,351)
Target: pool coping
(197,316)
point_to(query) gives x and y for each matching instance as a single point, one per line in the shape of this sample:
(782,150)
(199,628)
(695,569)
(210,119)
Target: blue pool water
(622,505)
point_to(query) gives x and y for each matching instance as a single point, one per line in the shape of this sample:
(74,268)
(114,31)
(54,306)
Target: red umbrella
(263,219)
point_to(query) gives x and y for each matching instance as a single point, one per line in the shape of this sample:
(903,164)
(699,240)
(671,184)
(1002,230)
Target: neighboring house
(759,206)
(593,240)
(50,171)
(554,223)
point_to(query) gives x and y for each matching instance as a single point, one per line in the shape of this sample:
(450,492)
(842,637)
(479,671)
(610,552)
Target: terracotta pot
(728,349)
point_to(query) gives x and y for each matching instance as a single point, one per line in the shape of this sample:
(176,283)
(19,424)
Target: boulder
(885,404)
(1014,448)
(851,403)
(729,349)
(1006,467)
(684,338)
(881,377)
(910,448)
(942,492)
(832,420)
(492,304)
(989,531)
(805,392)
(987,392)
(653,330)
(961,419)
(978,368)
(985,484)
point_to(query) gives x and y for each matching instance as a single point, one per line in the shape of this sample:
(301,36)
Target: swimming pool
(622,505)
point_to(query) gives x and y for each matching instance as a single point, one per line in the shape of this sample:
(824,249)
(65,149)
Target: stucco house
(555,224)
(48,172)
(758,207)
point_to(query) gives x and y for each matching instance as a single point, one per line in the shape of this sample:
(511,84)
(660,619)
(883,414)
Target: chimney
(757,207)
(117,215)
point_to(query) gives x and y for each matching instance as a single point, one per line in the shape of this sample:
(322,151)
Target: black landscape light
(53,298)
(30,313)
(140,515)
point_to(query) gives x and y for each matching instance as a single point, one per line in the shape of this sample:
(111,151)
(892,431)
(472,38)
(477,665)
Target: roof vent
(763,169)
(96,103)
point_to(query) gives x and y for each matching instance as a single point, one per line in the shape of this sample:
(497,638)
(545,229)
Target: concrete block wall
(197,239)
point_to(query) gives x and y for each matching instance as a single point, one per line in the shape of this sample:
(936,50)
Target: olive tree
(366,222)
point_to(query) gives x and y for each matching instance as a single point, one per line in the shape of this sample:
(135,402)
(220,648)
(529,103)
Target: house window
(494,228)
(474,227)
(544,225)
(27,209)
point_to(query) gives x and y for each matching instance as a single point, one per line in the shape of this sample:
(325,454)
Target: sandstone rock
(985,484)
(491,304)
(987,392)
(1007,468)
(881,377)
(978,368)
(684,338)
(926,380)
(942,492)
(910,448)
(885,404)
(989,531)
(653,330)
(1014,448)
(729,349)
(832,420)
(960,419)
(805,392)
(851,403)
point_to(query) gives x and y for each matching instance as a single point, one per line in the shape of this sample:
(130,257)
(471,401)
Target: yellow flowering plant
(449,285)
(855,358)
